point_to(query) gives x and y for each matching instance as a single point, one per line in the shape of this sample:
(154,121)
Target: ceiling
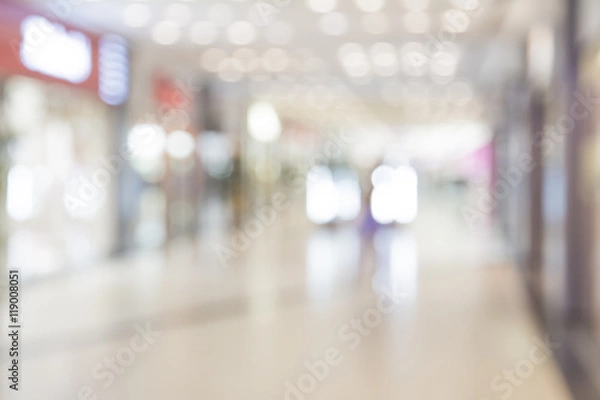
(386,51)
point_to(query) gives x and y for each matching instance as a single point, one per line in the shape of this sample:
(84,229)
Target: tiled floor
(453,324)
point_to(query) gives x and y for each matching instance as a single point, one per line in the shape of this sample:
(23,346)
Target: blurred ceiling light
(383,57)
(212,58)
(166,32)
(444,63)
(136,15)
(248,59)
(275,60)
(382,54)
(456,21)
(356,64)
(416,22)
(348,48)
(179,13)
(334,23)
(376,23)
(146,141)
(203,32)
(279,33)
(370,5)
(241,33)
(321,6)
(416,5)
(413,59)
(467,5)
(540,55)
(263,122)
(231,70)
(221,14)
(180,145)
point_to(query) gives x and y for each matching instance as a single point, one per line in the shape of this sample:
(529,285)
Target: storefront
(61,96)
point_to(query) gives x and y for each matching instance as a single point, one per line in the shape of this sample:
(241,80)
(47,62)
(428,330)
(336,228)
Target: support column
(536,189)
(4,166)
(579,192)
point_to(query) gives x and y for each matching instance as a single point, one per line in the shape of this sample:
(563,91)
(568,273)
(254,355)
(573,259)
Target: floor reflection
(338,255)
(332,256)
(397,261)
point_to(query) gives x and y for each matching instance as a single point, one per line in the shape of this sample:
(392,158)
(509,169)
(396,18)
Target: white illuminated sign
(51,49)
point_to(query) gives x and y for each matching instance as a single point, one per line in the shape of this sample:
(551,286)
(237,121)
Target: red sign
(31,44)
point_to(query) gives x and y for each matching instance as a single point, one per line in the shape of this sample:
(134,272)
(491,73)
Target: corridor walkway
(442,316)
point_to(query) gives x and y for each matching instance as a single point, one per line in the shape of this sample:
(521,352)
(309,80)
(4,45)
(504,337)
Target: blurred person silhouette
(368,229)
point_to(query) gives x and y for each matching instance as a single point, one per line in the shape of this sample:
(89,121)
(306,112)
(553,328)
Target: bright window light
(349,200)
(20,193)
(180,144)
(321,196)
(146,141)
(406,182)
(263,122)
(383,203)
(395,195)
